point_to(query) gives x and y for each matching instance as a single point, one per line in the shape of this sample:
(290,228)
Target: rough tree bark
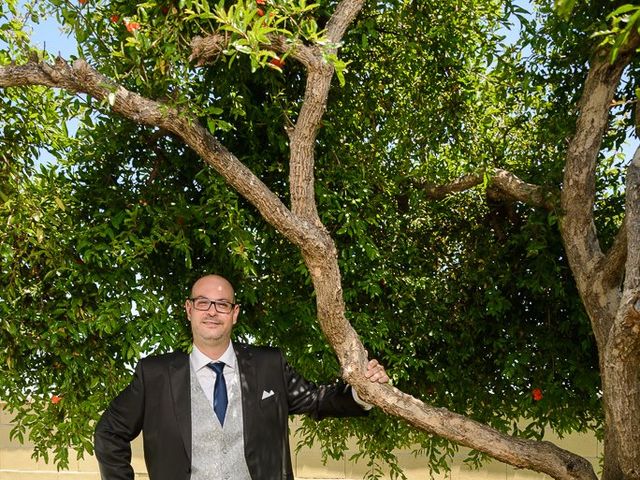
(608,302)
(302,226)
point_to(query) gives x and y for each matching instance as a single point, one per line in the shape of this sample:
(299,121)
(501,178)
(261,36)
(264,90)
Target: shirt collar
(200,360)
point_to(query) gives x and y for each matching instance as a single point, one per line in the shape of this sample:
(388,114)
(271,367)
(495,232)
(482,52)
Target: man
(219,412)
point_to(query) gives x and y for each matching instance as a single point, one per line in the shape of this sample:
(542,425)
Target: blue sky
(49,34)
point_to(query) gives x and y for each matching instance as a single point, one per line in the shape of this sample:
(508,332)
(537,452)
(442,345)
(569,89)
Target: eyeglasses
(204,304)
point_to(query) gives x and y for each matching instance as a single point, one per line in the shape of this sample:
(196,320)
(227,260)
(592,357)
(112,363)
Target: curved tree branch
(542,457)
(461,184)
(206,50)
(304,133)
(502,183)
(345,13)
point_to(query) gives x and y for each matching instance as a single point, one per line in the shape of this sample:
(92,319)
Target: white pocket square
(268,394)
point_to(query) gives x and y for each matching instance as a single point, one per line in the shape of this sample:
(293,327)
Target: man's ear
(187,308)
(236,312)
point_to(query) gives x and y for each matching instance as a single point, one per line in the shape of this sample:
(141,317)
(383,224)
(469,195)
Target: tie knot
(216,367)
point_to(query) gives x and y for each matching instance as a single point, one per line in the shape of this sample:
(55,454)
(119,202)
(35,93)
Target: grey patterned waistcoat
(217,453)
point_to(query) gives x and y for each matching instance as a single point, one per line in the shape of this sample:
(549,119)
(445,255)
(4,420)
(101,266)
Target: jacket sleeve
(319,401)
(120,423)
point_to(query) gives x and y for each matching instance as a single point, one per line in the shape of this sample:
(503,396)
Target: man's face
(211,328)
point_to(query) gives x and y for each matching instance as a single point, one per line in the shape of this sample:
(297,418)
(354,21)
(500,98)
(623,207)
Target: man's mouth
(212,322)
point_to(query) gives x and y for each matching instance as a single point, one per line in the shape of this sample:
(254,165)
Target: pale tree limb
(578,192)
(322,263)
(321,255)
(622,352)
(206,50)
(542,457)
(344,14)
(501,183)
(460,184)
(303,136)
(302,143)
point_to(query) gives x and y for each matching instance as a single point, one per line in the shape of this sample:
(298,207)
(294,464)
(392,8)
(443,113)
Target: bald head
(214,284)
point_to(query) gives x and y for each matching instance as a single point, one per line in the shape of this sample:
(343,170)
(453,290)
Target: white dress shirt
(207,377)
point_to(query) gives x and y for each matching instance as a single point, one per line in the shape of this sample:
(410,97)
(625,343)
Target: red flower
(132,26)
(536,393)
(55,399)
(164,10)
(82,2)
(114,18)
(277,62)
(261,2)
(260,12)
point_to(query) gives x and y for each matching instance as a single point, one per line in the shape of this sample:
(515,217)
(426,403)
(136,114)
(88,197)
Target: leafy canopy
(469,303)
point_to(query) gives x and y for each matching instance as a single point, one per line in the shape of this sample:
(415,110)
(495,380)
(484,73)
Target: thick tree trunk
(611,468)
(622,352)
(609,303)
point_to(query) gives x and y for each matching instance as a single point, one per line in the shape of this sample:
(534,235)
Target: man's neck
(214,352)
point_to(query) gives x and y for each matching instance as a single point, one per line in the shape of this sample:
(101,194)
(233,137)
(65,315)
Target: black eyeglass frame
(215,303)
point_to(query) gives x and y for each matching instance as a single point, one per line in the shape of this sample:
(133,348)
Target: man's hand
(376,373)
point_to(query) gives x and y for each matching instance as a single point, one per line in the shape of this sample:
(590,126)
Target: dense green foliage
(468,301)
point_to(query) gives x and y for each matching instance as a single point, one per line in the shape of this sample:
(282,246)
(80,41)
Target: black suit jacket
(158,403)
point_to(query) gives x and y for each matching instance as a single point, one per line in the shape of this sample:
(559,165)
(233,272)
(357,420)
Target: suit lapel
(180,378)
(247,371)
(248,384)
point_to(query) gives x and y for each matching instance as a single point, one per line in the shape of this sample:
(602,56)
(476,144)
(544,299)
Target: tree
(371,176)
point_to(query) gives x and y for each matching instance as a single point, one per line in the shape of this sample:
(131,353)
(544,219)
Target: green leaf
(60,203)
(565,7)
(622,10)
